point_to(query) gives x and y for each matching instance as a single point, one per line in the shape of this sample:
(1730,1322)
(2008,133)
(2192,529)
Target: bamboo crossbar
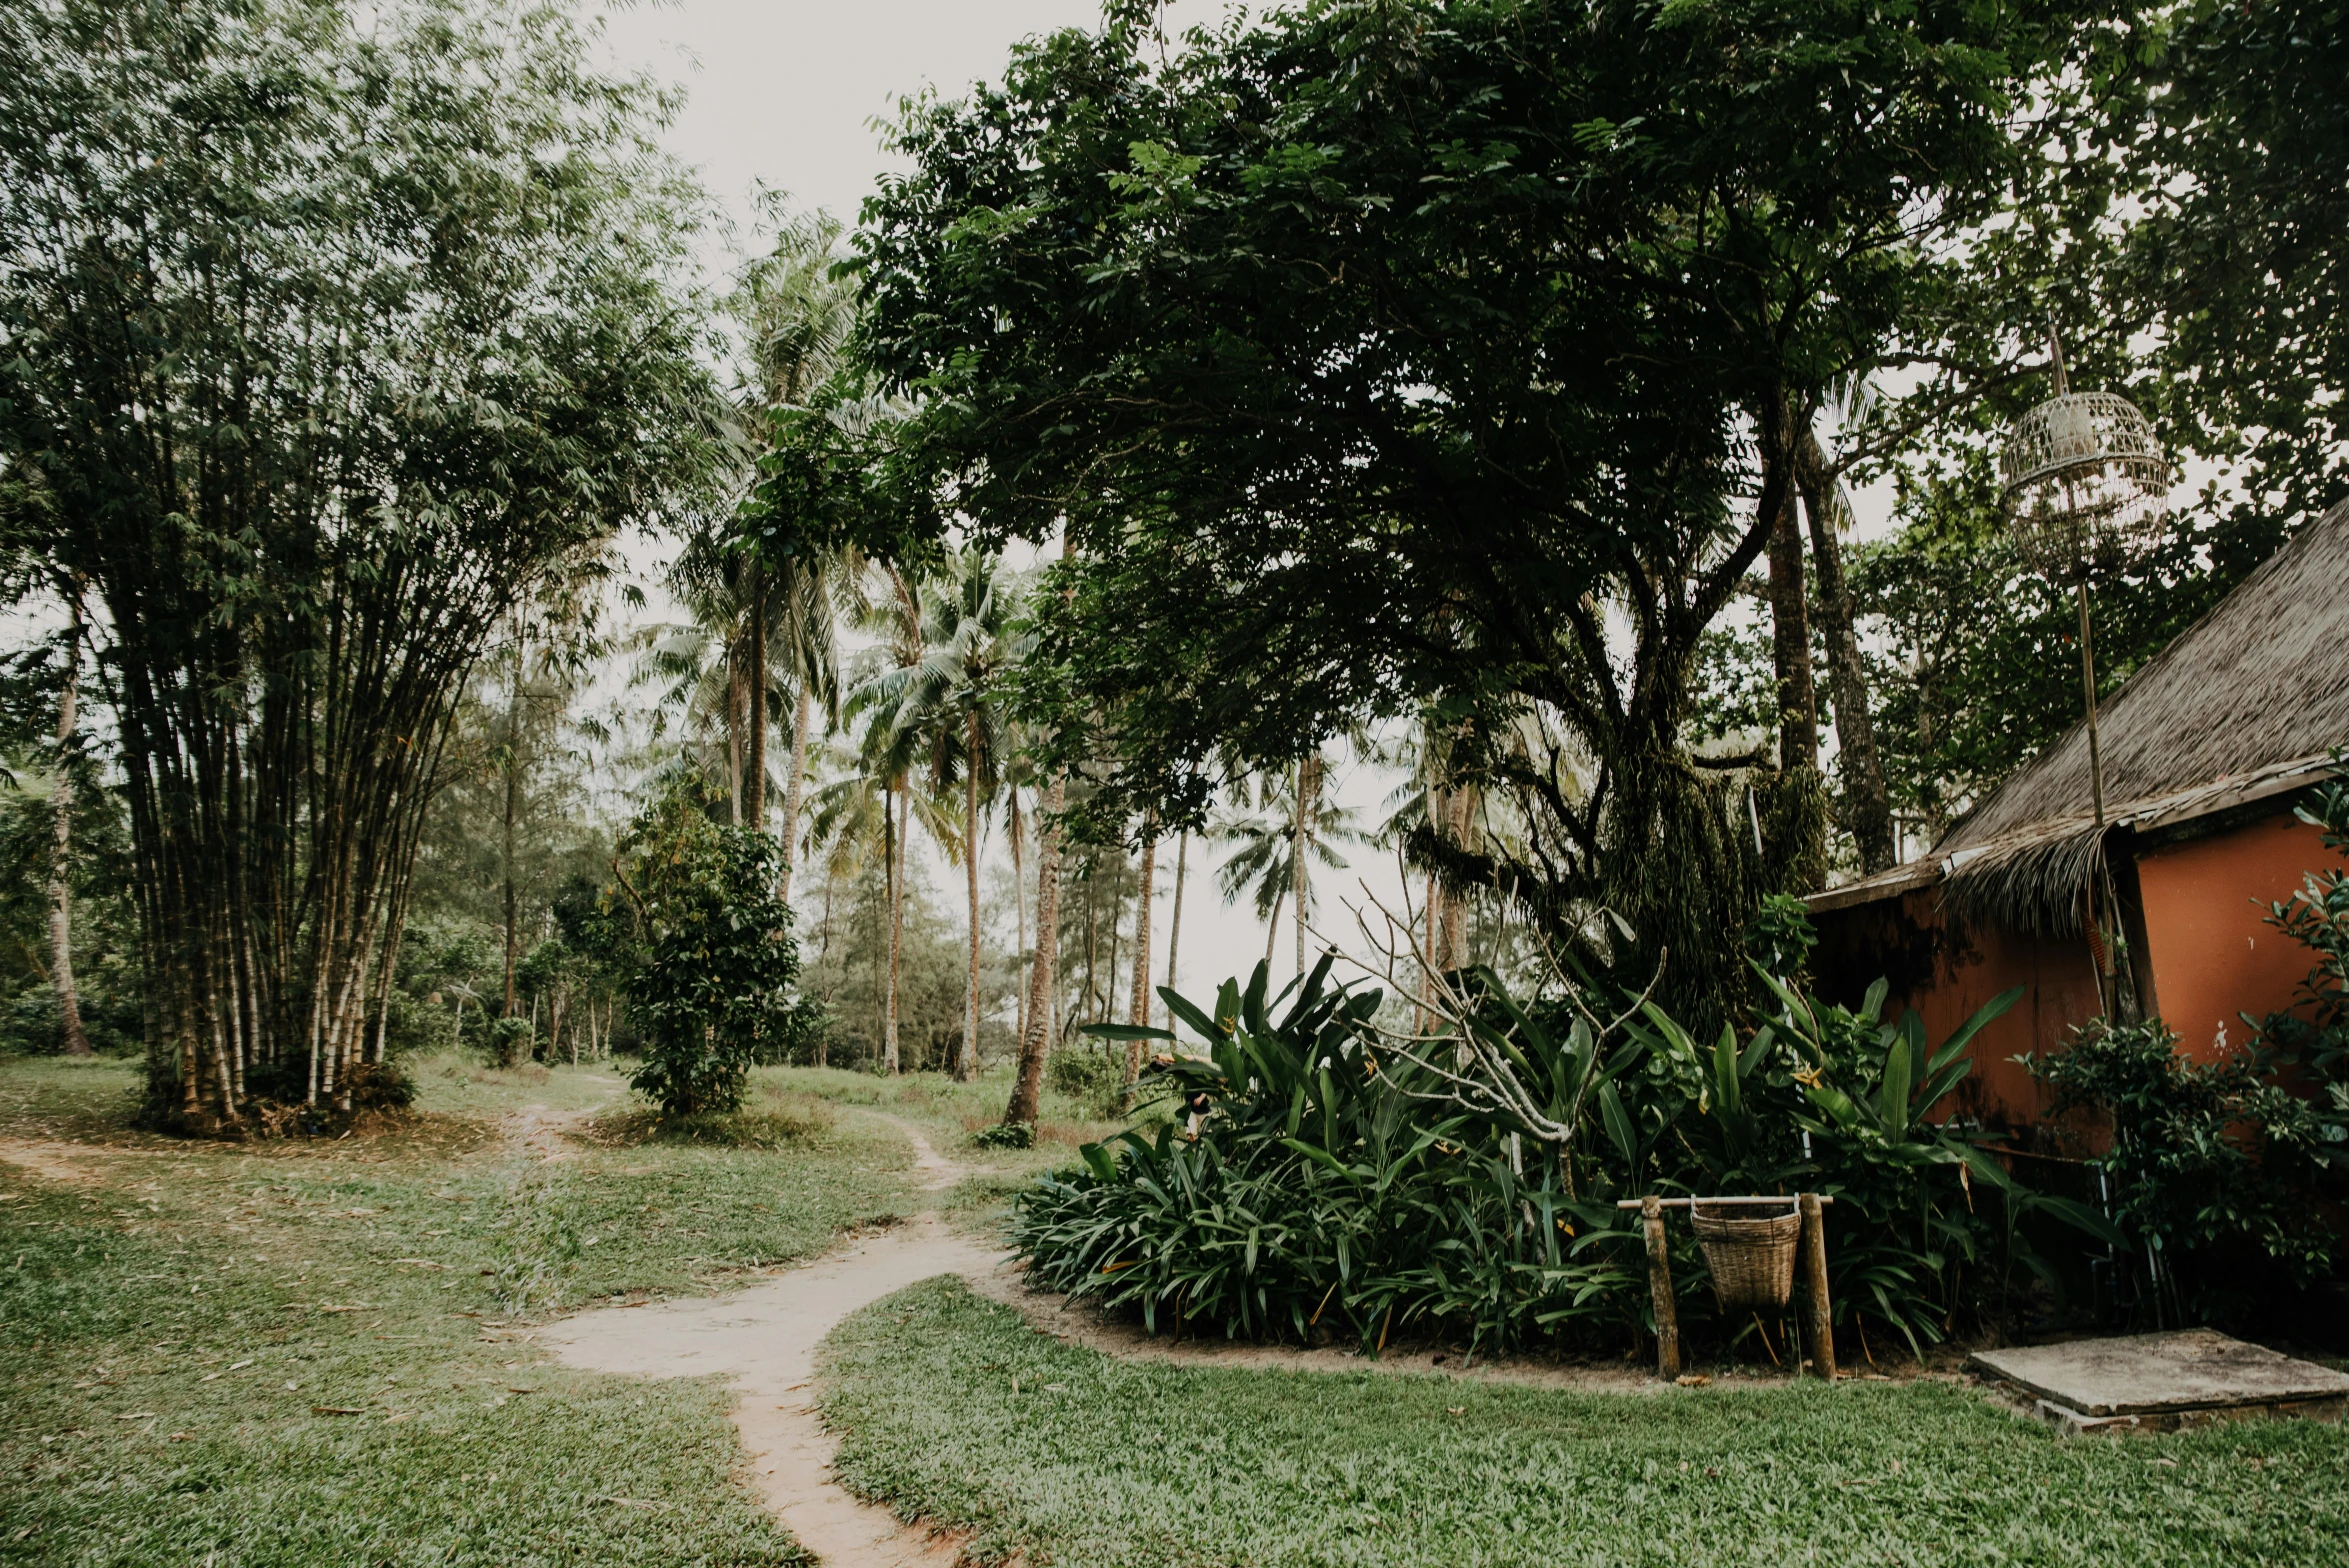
(1682,1203)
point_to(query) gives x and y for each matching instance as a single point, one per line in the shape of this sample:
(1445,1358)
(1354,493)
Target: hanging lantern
(2084,483)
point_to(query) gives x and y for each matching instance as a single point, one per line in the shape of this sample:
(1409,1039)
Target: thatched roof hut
(2205,750)
(2245,706)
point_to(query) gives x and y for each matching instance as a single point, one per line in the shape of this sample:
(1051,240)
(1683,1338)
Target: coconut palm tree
(1265,868)
(794,318)
(945,708)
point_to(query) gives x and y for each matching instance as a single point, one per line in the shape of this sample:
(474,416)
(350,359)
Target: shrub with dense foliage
(2221,1172)
(708,958)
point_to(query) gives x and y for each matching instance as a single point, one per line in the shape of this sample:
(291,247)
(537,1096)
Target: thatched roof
(2244,705)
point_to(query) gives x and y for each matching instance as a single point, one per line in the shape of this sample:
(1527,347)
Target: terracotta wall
(1946,975)
(2214,956)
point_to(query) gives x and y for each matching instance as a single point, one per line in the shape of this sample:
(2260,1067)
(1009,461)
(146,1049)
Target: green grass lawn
(952,1409)
(311,1352)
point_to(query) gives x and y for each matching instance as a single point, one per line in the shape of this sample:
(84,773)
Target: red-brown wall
(2214,956)
(1966,970)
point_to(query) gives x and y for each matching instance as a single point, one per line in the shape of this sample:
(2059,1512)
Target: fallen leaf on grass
(627,1502)
(138,1415)
(338,1410)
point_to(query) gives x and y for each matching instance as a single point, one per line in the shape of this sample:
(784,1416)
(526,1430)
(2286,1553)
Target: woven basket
(1752,1259)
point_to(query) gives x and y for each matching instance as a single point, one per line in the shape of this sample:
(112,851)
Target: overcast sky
(786,91)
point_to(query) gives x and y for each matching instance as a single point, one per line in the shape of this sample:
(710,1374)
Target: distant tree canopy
(1417,359)
(326,344)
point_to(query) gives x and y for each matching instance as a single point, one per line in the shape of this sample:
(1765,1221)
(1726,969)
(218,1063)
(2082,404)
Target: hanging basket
(1752,1260)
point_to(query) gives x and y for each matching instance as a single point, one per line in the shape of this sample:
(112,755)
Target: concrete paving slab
(2158,1375)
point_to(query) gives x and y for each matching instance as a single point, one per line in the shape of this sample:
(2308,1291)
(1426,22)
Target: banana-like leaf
(2081,1217)
(1987,1013)
(1892,1096)
(1124,1032)
(1619,1129)
(1252,1001)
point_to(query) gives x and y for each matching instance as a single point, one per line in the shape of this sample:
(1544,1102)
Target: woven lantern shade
(2085,485)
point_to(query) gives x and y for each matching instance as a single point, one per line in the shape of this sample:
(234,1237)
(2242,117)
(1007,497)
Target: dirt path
(764,1339)
(539,1129)
(51,1161)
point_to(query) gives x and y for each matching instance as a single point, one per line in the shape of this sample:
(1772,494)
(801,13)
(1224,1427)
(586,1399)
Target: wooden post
(1651,1211)
(1816,1306)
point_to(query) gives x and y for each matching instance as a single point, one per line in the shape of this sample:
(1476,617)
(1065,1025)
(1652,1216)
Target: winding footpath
(764,1338)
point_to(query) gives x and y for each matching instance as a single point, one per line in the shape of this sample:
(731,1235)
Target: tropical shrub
(508,1041)
(2209,1170)
(2314,1033)
(1350,1183)
(708,962)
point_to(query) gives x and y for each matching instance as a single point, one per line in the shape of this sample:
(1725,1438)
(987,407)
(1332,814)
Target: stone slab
(2165,1375)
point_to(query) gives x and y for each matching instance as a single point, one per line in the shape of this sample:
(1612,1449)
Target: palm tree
(945,707)
(794,317)
(1266,868)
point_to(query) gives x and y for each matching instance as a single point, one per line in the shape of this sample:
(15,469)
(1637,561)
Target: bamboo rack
(1818,1317)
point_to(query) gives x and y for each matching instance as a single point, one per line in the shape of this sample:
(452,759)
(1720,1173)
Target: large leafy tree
(1429,359)
(328,341)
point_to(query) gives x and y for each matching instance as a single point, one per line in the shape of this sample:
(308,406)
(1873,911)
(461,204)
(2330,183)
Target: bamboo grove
(313,425)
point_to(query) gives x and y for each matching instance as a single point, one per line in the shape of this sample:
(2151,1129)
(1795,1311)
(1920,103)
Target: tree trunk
(1867,802)
(896,930)
(1019,900)
(793,791)
(1272,931)
(966,1066)
(1308,794)
(756,783)
(1451,950)
(1027,1087)
(1174,922)
(69,1002)
(1139,1014)
(513,808)
(735,681)
(1790,643)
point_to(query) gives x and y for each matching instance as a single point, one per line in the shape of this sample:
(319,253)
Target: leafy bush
(707,961)
(508,1041)
(1096,1079)
(1006,1135)
(2209,1169)
(2315,1033)
(380,1086)
(2220,1173)
(1322,1196)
